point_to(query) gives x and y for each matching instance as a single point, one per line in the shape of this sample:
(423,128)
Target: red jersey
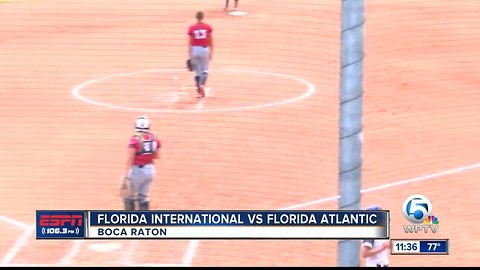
(145,148)
(200,34)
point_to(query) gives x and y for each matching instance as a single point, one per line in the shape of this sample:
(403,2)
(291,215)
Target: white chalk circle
(310,89)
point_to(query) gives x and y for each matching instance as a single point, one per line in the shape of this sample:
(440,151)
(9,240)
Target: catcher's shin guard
(144,205)
(143,202)
(129,204)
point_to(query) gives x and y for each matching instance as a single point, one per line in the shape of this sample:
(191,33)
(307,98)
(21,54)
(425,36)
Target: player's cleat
(200,92)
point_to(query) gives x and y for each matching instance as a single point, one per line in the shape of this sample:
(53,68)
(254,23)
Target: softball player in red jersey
(200,50)
(227,4)
(375,251)
(143,149)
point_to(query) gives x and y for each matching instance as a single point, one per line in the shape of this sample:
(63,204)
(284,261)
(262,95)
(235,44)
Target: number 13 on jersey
(419,247)
(200,34)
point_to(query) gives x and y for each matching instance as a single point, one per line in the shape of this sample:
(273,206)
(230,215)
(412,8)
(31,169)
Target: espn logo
(61,220)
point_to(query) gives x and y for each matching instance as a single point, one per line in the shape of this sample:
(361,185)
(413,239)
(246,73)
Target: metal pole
(351,88)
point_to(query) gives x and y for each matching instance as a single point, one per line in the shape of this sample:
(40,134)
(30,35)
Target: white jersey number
(147,147)
(200,34)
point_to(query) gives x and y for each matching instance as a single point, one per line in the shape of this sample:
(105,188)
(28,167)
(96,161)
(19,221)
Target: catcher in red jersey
(143,149)
(200,50)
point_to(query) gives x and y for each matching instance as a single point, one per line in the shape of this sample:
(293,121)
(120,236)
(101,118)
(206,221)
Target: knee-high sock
(204,78)
(197,81)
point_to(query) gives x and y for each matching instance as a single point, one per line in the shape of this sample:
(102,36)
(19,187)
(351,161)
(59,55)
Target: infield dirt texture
(278,68)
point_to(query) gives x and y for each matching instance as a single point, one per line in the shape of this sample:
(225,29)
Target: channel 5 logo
(418,210)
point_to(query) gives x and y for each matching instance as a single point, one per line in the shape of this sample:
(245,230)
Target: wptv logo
(418,210)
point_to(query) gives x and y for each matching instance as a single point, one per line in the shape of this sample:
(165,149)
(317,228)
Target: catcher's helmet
(142,124)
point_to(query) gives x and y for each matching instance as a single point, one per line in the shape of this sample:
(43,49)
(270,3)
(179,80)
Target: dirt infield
(75,75)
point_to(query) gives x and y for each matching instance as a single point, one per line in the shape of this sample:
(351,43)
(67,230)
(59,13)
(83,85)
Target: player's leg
(236,5)
(143,200)
(129,199)
(196,61)
(202,71)
(129,203)
(143,190)
(226,4)
(205,59)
